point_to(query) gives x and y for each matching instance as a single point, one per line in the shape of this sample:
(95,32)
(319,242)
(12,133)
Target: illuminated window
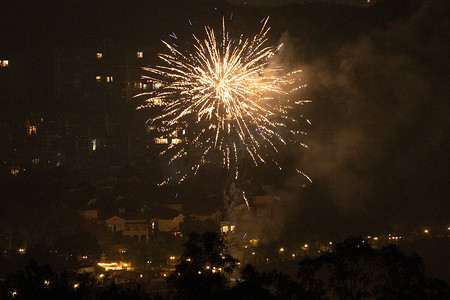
(224,229)
(161,141)
(4,63)
(140,54)
(232,228)
(35,161)
(153,225)
(32,130)
(99,55)
(109,79)
(98,78)
(14,172)
(176,141)
(94,144)
(158,85)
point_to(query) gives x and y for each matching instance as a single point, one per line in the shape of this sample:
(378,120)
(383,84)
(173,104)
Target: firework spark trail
(228,95)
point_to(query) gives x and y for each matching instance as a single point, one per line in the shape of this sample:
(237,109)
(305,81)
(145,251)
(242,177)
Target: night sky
(378,78)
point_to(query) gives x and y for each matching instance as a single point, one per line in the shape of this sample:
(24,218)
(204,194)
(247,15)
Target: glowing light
(76,285)
(114,265)
(230,97)
(281,249)
(426,231)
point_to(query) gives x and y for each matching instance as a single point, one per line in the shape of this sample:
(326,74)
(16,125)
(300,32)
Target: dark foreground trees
(357,271)
(354,270)
(205,269)
(38,282)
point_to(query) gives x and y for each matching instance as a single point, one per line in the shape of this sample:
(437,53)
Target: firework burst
(228,97)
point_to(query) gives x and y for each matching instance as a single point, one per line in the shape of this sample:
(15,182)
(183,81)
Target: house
(130,224)
(267,210)
(168,220)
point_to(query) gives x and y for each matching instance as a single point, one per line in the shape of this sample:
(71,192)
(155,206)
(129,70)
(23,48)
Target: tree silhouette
(203,271)
(255,285)
(357,271)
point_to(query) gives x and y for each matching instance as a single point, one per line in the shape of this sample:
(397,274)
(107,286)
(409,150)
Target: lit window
(4,63)
(140,54)
(14,172)
(99,55)
(109,79)
(224,229)
(232,228)
(98,78)
(35,161)
(94,144)
(176,141)
(161,141)
(158,85)
(32,130)
(153,225)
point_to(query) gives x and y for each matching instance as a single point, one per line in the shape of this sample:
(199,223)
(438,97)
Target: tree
(352,269)
(357,271)
(259,286)
(204,268)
